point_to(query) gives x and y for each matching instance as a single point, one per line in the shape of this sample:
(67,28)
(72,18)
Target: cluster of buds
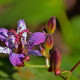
(53,60)
(48,44)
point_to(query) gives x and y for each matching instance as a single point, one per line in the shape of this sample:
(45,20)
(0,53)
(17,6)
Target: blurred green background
(36,14)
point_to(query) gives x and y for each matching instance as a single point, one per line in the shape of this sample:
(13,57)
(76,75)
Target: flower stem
(47,62)
(67,78)
(65,72)
(62,77)
(69,72)
(75,67)
(37,66)
(47,57)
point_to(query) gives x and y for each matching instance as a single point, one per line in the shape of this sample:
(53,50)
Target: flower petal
(3,34)
(11,45)
(21,27)
(11,36)
(35,53)
(4,37)
(5,50)
(16,59)
(35,39)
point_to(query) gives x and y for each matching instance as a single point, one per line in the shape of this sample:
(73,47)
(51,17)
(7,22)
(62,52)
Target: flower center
(19,41)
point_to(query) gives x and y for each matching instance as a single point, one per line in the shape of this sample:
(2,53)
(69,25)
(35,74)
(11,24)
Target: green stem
(37,66)
(66,72)
(47,62)
(47,57)
(69,72)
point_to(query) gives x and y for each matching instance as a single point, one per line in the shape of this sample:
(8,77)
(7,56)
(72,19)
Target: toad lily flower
(17,46)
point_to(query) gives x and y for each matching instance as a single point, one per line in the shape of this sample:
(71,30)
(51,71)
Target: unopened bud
(49,42)
(55,62)
(51,25)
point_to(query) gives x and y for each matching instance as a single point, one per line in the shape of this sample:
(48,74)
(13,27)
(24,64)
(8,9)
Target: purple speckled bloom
(9,40)
(18,51)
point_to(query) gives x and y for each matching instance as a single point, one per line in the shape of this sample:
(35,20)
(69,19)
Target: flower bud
(48,42)
(51,25)
(55,62)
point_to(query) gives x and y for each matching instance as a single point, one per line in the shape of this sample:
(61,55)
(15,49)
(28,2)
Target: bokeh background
(36,14)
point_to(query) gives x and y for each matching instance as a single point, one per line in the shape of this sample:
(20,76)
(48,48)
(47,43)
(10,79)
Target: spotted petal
(5,50)
(16,59)
(3,35)
(35,39)
(21,27)
(11,45)
(35,53)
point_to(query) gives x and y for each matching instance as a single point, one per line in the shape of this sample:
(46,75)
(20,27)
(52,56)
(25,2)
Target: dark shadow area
(75,11)
(7,68)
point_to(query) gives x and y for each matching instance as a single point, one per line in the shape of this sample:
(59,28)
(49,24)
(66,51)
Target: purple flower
(17,46)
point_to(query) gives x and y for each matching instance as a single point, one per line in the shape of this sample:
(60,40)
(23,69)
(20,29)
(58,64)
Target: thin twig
(62,77)
(75,67)
(68,77)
